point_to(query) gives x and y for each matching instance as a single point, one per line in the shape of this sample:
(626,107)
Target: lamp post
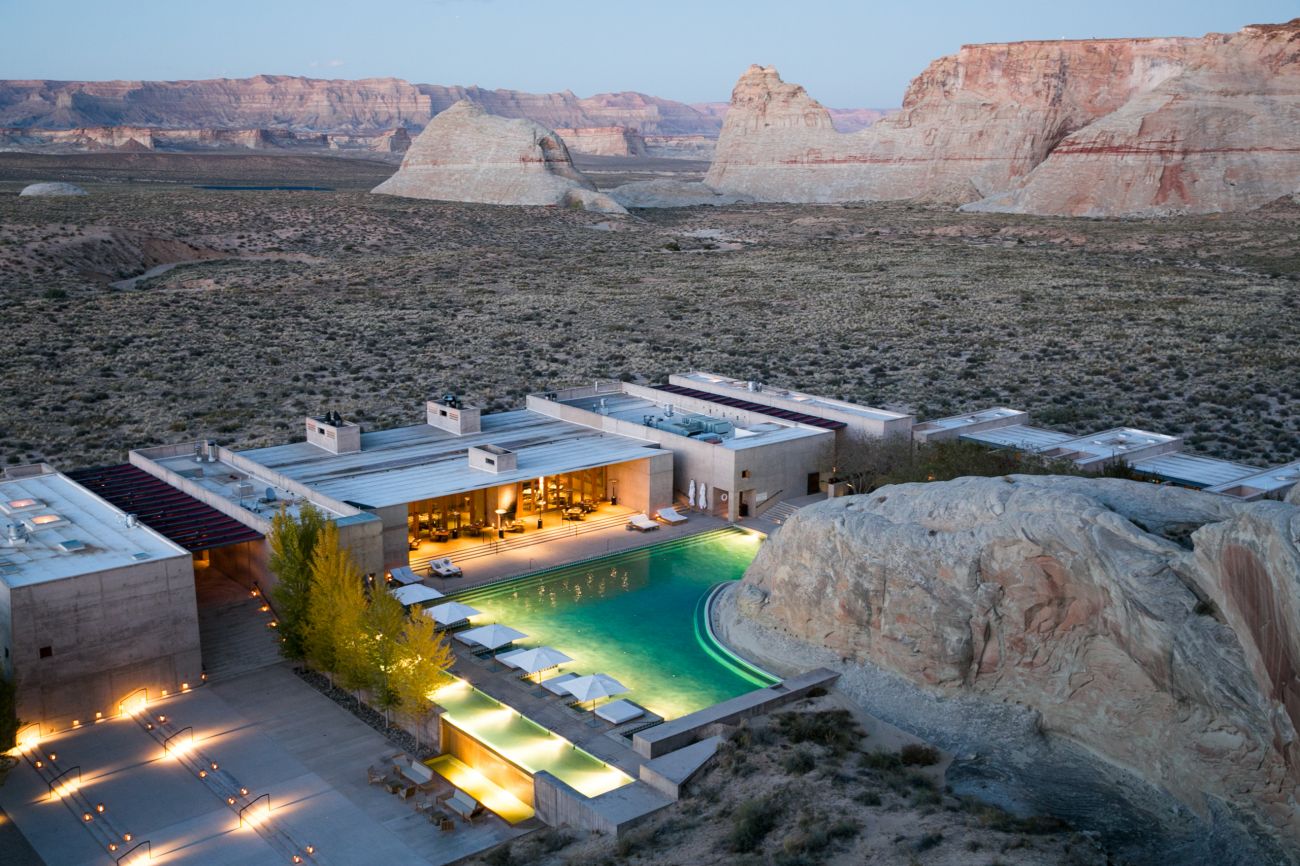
(501,533)
(613,491)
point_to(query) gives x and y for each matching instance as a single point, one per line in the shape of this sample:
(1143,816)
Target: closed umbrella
(690,493)
(492,636)
(450,613)
(704,496)
(593,688)
(538,659)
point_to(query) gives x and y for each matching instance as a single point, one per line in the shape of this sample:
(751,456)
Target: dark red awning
(751,406)
(192,524)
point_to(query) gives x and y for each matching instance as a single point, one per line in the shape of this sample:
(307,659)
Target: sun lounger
(670,516)
(619,711)
(445,568)
(641,523)
(555,685)
(464,805)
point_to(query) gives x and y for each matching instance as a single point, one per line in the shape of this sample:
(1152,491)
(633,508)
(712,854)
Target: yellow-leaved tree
(335,634)
(422,667)
(384,622)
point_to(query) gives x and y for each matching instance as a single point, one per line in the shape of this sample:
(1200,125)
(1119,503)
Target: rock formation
(144,138)
(603,140)
(1156,629)
(52,189)
(1098,127)
(466,154)
(666,192)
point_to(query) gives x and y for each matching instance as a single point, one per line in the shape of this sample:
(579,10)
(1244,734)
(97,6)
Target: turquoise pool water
(637,616)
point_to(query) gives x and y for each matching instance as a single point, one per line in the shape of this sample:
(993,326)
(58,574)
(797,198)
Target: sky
(847,54)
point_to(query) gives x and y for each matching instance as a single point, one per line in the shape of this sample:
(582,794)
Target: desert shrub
(800,761)
(868,798)
(928,841)
(917,755)
(551,841)
(502,856)
(834,729)
(882,761)
(751,822)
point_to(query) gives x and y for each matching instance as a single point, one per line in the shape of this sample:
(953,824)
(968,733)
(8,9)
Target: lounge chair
(641,523)
(445,568)
(555,685)
(670,516)
(620,711)
(464,805)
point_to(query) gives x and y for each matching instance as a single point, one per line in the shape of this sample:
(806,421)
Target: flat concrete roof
(812,402)
(1267,480)
(1020,436)
(225,480)
(634,409)
(406,464)
(1116,441)
(1194,470)
(953,422)
(66,531)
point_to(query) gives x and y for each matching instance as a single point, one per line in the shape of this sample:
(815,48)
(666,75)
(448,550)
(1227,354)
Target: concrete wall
(612,813)
(646,485)
(932,431)
(396,546)
(681,732)
(245,563)
(779,470)
(6,631)
(110,633)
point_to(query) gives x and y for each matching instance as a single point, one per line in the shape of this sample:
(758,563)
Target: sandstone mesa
(1113,127)
(1158,628)
(468,155)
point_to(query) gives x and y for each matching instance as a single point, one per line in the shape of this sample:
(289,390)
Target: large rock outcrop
(466,154)
(1155,629)
(52,188)
(1099,128)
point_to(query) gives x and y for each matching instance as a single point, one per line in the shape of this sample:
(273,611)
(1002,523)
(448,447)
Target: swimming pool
(638,616)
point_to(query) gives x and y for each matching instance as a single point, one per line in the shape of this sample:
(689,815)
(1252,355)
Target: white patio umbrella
(416,593)
(593,688)
(538,659)
(450,613)
(704,496)
(690,493)
(492,636)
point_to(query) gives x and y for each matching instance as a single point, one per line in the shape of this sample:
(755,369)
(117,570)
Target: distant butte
(1114,127)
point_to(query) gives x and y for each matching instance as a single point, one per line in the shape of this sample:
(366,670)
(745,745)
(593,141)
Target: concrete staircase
(233,629)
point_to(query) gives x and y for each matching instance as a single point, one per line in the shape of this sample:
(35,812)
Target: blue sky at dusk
(848,54)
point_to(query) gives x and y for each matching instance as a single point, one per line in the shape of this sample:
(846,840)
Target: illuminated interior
(523,742)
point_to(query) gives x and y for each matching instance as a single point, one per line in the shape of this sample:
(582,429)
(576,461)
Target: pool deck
(567,551)
(503,684)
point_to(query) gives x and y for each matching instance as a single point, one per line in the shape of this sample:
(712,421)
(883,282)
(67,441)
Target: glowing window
(45,519)
(16,504)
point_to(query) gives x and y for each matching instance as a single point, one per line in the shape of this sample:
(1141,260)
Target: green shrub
(916,755)
(834,729)
(800,761)
(751,822)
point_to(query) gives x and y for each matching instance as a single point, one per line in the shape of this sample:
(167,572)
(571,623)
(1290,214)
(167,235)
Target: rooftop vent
(72,545)
(330,432)
(140,557)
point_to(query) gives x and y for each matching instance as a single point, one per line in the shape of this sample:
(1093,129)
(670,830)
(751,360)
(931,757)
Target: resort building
(94,605)
(1157,456)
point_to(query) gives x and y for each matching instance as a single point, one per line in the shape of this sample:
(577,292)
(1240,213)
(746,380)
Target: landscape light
(98,715)
(203,774)
(99,807)
(311,849)
(86,816)
(185,687)
(230,801)
(214,765)
(126,837)
(243,792)
(112,846)
(53,757)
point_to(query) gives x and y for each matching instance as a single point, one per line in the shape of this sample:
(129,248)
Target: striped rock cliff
(1146,632)
(1086,127)
(603,140)
(466,154)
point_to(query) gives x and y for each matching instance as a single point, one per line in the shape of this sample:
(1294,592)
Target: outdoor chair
(671,516)
(464,805)
(641,523)
(376,775)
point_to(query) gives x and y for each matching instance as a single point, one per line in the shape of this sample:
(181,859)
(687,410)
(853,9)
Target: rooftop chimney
(331,432)
(453,415)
